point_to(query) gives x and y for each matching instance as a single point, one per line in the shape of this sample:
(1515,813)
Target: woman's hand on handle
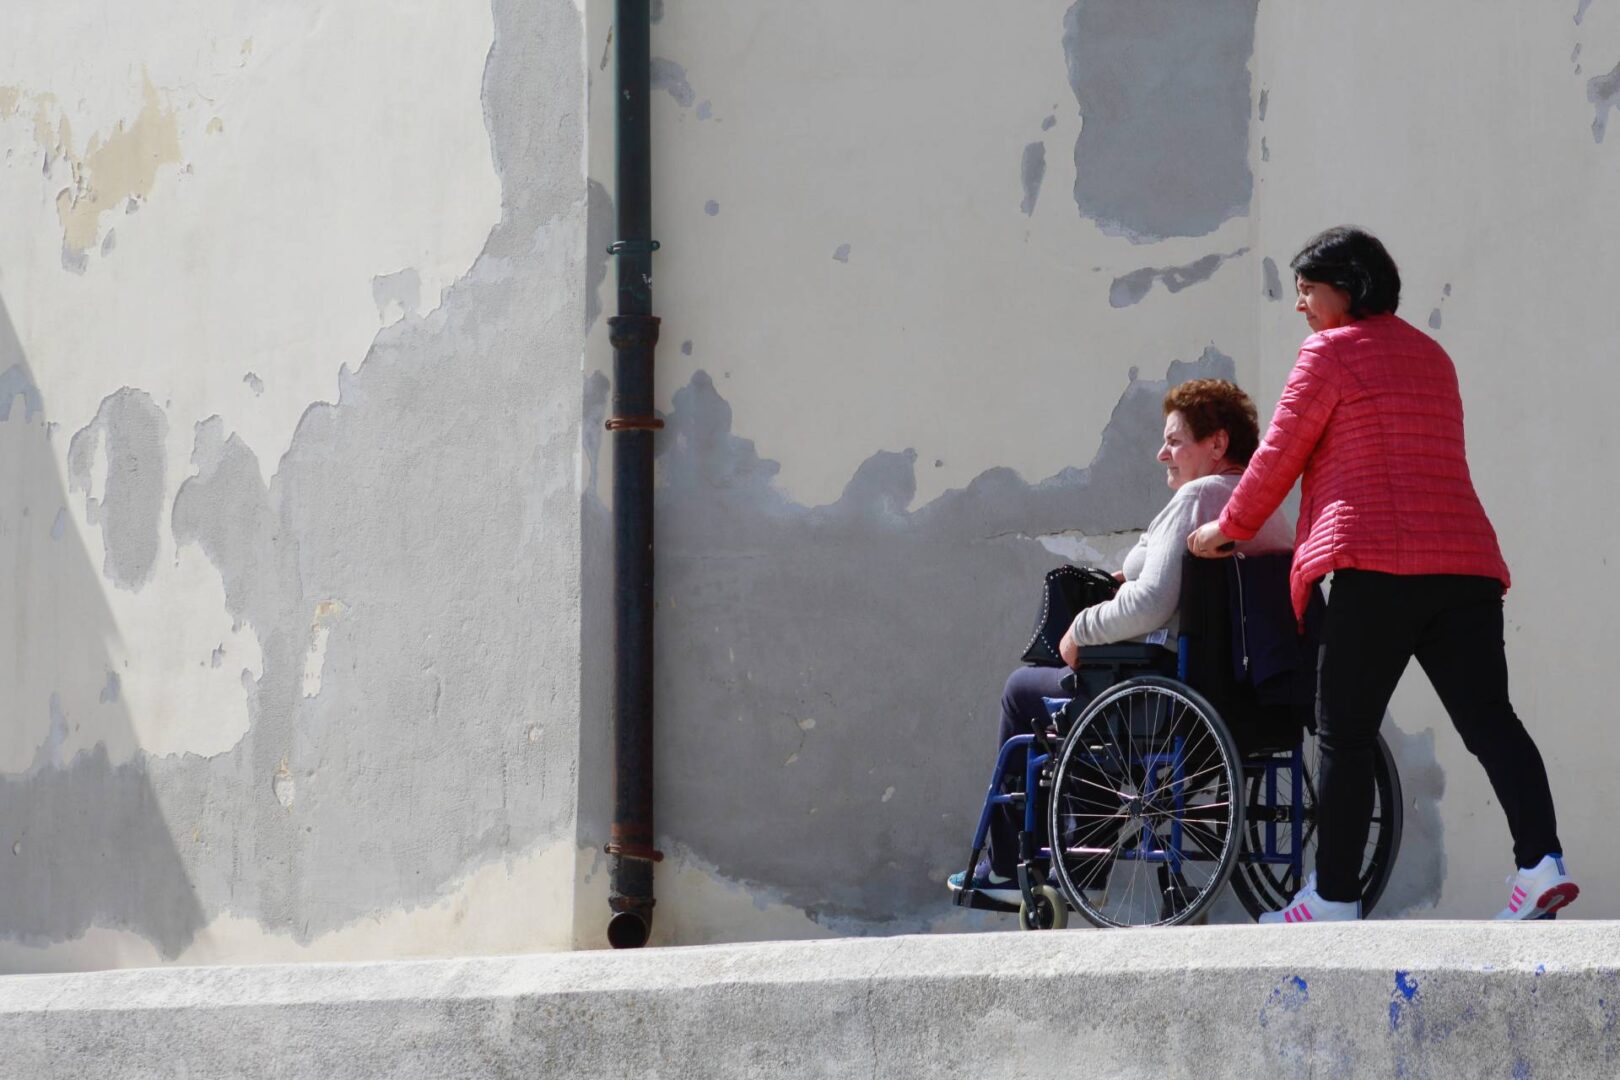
(1208,542)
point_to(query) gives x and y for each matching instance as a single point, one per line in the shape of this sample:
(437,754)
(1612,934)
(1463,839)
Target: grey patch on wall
(817,657)
(1272,288)
(109,243)
(15,382)
(1164,90)
(59,524)
(686,348)
(601,222)
(1265,100)
(253,383)
(74,261)
(1420,869)
(1049,123)
(841,253)
(1580,12)
(655,11)
(711,208)
(131,429)
(1602,91)
(438,501)
(1434,319)
(1265,149)
(1032,170)
(670,76)
(402,287)
(705,109)
(109,692)
(1128,289)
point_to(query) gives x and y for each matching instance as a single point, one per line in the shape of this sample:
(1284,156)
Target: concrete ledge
(1411,999)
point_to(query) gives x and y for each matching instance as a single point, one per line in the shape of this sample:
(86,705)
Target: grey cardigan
(1147,601)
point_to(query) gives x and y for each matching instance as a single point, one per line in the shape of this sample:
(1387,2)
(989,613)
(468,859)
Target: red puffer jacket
(1372,417)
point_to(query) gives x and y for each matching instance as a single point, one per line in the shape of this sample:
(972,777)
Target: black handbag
(1065,591)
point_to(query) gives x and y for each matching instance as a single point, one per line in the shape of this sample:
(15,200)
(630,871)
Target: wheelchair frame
(1268,768)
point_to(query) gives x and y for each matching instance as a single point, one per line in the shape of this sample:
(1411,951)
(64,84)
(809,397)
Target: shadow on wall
(70,814)
(827,677)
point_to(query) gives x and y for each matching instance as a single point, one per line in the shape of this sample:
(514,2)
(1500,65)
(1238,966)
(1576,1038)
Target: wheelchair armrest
(1123,652)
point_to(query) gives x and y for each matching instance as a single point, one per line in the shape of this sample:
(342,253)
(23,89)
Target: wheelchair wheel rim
(1145,813)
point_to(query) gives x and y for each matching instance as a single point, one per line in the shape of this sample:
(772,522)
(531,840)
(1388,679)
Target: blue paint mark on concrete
(1289,997)
(1521,1070)
(1406,985)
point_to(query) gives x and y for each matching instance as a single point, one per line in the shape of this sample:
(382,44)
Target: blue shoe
(988,885)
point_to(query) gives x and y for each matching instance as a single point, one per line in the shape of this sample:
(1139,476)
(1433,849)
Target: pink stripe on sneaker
(1306,912)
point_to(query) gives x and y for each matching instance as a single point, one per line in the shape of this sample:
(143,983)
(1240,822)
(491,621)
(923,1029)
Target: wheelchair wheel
(1143,820)
(1261,886)
(1049,912)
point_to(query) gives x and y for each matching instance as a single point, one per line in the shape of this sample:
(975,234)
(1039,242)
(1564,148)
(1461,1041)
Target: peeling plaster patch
(217,657)
(1164,92)
(686,348)
(1580,12)
(59,525)
(1032,170)
(1602,91)
(109,692)
(670,76)
(283,786)
(75,262)
(131,429)
(109,242)
(1273,281)
(253,383)
(397,295)
(594,414)
(327,612)
(1049,123)
(1130,288)
(842,253)
(1265,100)
(113,169)
(1414,884)
(711,208)
(1265,149)
(736,553)
(1434,319)
(15,382)
(655,11)
(599,230)
(705,110)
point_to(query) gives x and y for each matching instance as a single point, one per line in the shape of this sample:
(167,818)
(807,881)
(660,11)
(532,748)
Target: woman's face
(1325,306)
(1186,458)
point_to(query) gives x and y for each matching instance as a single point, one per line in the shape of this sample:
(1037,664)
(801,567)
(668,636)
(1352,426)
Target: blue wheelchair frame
(1034,856)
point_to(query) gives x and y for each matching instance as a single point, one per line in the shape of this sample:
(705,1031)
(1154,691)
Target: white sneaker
(1306,907)
(1539,891)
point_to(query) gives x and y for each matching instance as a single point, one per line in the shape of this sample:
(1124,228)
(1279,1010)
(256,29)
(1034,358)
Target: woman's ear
(1219,442)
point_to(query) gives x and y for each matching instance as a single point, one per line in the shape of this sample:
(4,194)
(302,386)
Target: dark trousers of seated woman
(1022,704)
(1452,624)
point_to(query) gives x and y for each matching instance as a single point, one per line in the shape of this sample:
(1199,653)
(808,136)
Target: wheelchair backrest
(1243,648)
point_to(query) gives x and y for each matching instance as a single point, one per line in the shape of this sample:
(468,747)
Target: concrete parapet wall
(1418,999)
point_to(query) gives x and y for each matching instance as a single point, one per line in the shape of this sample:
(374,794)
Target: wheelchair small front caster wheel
(1049,912)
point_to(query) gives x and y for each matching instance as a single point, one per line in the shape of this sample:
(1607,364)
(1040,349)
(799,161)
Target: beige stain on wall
(111,169)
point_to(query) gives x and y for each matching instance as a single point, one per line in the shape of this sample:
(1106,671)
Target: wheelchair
(1140,805)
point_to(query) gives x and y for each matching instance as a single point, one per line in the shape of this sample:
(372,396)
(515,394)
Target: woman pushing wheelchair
(1371,417)
(1210,432)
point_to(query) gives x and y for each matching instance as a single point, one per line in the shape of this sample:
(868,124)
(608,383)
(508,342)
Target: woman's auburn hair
(1211,405)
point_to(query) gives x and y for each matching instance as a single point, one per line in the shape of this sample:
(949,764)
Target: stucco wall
(293,311)
(305,555)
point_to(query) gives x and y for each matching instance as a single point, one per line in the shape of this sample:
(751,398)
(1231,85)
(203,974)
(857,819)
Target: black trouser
(1453,625)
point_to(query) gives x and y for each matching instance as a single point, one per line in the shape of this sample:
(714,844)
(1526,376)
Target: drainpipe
(634,332)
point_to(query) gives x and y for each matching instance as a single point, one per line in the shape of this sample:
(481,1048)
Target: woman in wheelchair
(1210,431)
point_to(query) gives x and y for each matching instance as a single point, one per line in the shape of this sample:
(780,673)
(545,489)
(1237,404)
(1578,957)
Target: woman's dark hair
(1211,405)
(1352,259)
